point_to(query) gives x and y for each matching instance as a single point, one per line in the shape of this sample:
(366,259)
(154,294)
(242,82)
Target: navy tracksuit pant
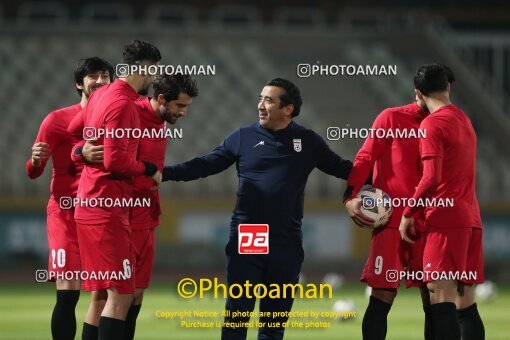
(282,265)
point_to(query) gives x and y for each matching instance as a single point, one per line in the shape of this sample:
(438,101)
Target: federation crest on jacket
(297,145)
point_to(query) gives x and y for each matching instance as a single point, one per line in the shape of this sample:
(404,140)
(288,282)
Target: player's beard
(166,115)
(170,118)
(423,107)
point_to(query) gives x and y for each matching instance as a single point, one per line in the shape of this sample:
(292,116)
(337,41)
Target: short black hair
(91,65)
(449,73)
(290,94)
(171,85)
(139,51)
(432,78)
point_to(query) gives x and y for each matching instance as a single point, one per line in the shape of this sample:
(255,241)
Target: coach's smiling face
(271,115)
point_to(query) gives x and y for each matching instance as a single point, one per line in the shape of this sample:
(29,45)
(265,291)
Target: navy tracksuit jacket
(273,167)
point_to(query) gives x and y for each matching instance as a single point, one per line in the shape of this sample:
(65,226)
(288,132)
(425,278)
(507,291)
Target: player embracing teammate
(53,141)
(104,232)
(173,94)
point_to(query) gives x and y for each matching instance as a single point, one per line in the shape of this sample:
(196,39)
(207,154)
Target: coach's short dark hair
(432,78)
(139,51)
(91,65)
(171,85)
(290,94)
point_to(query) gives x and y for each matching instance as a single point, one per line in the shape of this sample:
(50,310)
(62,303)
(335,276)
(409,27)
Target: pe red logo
(253,239)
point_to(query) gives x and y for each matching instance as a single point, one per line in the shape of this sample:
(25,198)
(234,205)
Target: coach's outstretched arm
(218,160)
(330,163)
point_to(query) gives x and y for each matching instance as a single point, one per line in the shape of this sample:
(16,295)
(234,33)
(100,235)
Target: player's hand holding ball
(40,152)
(353,207)
(371,208)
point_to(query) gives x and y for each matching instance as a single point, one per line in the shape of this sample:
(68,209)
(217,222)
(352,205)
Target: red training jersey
(451,137)
(66,174)
(112,107)
(151,150)
(395,161)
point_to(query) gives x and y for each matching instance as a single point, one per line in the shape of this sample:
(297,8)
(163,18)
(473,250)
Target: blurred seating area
(248,44)
(490,13)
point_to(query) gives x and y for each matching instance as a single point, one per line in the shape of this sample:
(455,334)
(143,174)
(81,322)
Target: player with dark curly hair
(53,141)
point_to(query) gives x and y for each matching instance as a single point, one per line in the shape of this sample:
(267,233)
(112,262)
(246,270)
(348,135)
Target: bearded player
(172,97)
(104,234)
(453,234)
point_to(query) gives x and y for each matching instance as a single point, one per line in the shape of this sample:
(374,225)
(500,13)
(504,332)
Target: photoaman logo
(253,239)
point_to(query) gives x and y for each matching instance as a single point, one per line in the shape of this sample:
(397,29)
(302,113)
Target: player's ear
(419,95)
(79,86)
(449,87)
(161,99)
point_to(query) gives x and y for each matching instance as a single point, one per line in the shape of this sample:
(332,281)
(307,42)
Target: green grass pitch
(25,312)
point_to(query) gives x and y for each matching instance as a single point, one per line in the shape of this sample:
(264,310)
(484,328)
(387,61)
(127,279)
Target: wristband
(78,151)
(348,193)
(150,169)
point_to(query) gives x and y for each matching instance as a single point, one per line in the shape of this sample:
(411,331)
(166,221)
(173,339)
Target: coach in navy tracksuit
(273,159)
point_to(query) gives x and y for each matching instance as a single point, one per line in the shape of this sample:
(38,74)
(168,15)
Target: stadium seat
(172,15)
(235,16)
(106,13)
(227,99)
(299,17)
(48,13)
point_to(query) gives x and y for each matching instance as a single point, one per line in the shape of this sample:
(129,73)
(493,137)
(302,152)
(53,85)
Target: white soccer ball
(335,280)
(376,204)
(486,291)
(347,309)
